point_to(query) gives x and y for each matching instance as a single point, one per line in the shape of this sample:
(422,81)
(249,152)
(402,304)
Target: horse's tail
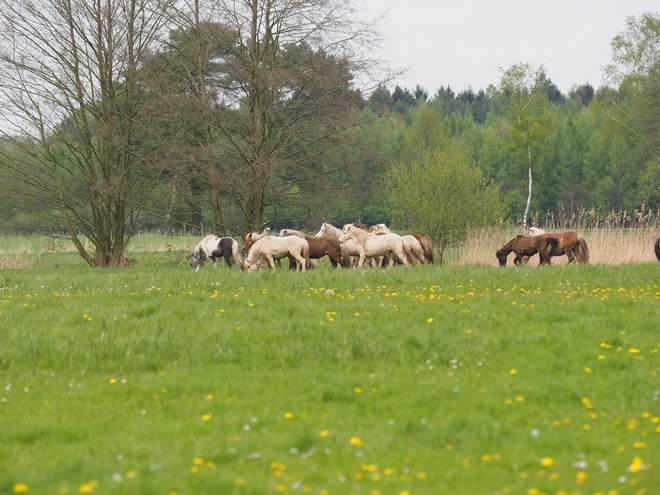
(428,249)
(346,256)
(305,254)
(235,253)
(657,248)
(583,256)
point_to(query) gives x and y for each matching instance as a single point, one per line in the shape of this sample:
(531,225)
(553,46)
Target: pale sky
(462,43)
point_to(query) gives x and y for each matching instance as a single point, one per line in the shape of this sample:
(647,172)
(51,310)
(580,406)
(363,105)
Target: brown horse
(657,248)
(569,243)
(524,247)
(323,246)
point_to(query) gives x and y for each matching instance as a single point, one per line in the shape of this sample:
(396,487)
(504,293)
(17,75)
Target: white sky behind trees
(463,43)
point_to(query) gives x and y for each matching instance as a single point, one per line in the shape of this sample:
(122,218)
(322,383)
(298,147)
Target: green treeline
(591,163)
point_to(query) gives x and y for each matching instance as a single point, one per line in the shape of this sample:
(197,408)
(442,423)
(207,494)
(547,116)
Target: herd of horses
(357,246)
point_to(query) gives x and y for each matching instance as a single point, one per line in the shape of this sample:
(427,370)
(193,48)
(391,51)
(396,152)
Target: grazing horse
(214,247)
(329,230)
(272,248)
(570,243)
(657,248)
(370,245)
(415,249)
(524,247)
(323,246)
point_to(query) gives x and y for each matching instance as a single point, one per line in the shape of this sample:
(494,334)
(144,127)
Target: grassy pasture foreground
(406,381)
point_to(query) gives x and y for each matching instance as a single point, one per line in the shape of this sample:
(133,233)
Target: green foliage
(440,195)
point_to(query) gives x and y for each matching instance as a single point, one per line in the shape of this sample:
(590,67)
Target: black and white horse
(215,247)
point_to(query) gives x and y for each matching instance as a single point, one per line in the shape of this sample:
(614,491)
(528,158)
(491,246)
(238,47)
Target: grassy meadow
(423,380)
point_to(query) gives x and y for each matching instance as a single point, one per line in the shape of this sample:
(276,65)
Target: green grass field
(402,381)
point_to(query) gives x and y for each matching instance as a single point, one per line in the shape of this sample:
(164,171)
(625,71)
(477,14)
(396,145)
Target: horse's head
(323,231)
(535,231)
(196,258)
(285,232)
(250,239)
(502,256)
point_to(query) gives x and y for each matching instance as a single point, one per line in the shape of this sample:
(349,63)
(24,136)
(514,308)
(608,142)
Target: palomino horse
(524,247)
(329,230)
(272,248)
(371,245)
(414,246)
(214,247)
(323,246)
(570,243)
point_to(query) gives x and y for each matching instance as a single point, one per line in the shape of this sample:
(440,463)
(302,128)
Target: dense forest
(238,120)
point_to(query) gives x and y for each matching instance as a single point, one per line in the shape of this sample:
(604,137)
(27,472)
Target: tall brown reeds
(609,246)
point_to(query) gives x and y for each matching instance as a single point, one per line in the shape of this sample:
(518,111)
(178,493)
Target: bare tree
(278,84)
(73,111)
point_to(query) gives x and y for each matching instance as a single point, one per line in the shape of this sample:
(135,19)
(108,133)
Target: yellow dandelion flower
(588,370)
(357,390)
(637,465)
(533,491)
(113,380)
(288,415)
(280,487)
(324,433)
(513,372)
(430,320)
(206,417)
(639,445)
(198,461)
(356,441)
(634,351)
(547,461)
(21,488)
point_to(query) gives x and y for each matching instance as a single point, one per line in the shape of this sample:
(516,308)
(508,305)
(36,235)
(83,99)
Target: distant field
(606,246)
(420,380)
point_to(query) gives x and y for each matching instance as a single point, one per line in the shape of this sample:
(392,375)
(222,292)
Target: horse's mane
(536,231)
(511,243)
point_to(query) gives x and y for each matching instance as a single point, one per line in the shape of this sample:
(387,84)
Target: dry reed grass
(606,246)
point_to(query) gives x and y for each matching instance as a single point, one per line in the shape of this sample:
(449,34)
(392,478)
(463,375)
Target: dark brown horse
(657,248)
(569,243)
(524,247)
(323,246)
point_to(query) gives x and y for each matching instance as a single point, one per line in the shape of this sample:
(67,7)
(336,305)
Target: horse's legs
(570,256)
(270,260)
(401,255)
(300,262)
(361,260)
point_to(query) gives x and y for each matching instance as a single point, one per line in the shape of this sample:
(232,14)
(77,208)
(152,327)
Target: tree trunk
(529,188)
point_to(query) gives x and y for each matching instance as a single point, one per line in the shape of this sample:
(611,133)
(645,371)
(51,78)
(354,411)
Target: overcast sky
(462,43)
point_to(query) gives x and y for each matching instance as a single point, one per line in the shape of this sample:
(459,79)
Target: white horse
(371,245)
(412,246)
(273,248)
(215,247)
